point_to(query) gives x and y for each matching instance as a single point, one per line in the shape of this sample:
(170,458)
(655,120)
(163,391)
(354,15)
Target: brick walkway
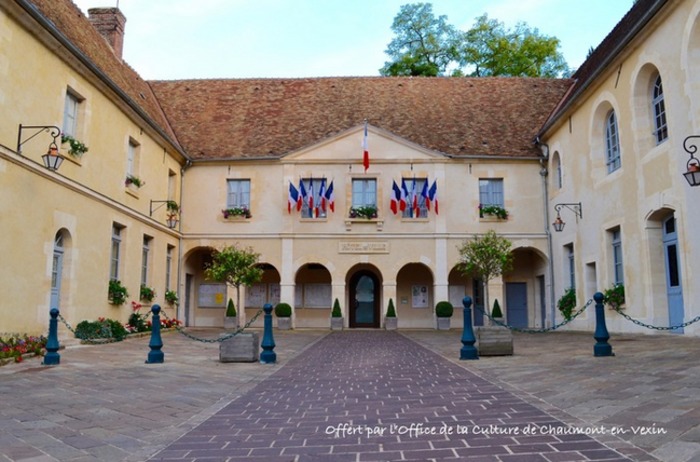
(378,396)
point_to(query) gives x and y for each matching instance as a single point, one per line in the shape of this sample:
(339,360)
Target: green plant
(230,309)
(235,266)
(495,210)
(283,310)
(496,311)
(363,211)
(171,297)
(391,311)
(77,148)
(116,293)
(137,322)
(147,294)
(133,179)
(172,206)
(241,211)
(567,303)
(615,296)
(444,309)
(335,312)
(100,329)
(15,345)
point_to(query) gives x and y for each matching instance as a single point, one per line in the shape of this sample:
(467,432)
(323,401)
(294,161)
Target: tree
(486,257)
(427,45)
(234,266)
(423,45)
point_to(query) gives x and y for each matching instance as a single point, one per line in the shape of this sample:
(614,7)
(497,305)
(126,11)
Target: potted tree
(231,318)
(336,316)
(443,311)
(283,311)
(390,320)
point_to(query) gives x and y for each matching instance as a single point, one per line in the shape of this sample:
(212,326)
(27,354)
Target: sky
(198,39)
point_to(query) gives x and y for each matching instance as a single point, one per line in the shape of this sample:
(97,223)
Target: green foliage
(234,266)
(615,296)
(147,294)
(336,313)
(427,45)
(100,329)
(242,211)
(567,303)
(230,309)
(391,310)
(444,309)
(137,322)
(77,148)
(495,210)
(15,345)
(283,310)
(364,211)
(496,311)
(171,297)
(116,293)
(486,256)
(133,179)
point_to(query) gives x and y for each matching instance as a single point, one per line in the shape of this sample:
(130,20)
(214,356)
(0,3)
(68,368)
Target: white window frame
(71,112)
(364,192)
(145,259)
(491,192)
(132,157)
(612,142)
(618,266)
(571,265)
(238,193)
(305,211)
(659,109)
(423,208)
(115,254)
(168,266)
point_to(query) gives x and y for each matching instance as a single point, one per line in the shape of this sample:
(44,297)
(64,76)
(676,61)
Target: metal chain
(538,331)
(649,326)
(219,339)
(105,331)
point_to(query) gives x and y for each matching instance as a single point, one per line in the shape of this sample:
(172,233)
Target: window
(612,143)
(570,266)
(116,251)
(618,269)
(238,195)
(145,251)
(70,114)
(659,107)
(168,266)
(491,192)
(312,206)
(364,192)
(132,158)
(556,163)
(415,189)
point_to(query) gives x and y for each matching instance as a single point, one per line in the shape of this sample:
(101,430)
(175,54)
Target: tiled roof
(76,27)
(232,119)
(625,30)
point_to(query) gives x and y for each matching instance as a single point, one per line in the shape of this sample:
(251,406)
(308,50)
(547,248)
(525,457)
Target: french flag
(414,199)
(330,197)
(395,198)
(424,194)
(311,197)
(322,196)
(293,199)
(433,197)
(404,195)
(365,149)
(302,195)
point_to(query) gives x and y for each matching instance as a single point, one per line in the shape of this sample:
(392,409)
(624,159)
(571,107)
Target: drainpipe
(188,163)
(544,172)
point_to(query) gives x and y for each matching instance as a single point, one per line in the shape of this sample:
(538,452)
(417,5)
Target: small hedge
(496,312)
(100,329)
(336,313)
(391,311)
(444,309)
(283,310)
(231,309)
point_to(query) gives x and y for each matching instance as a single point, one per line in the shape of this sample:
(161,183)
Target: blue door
(674,289)
(516,304)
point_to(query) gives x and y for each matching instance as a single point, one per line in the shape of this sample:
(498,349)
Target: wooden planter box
(391,323)
(284,323)
(494,341)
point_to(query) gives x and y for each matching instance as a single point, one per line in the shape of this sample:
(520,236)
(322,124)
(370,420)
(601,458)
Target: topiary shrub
(496,311)
(100,329)
(336,313)
(444,309)
(231,309)
(283,310)
(391,311)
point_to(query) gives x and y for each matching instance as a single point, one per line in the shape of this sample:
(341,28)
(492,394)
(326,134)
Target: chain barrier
(650,326)
(538,331)
(220,338)
(105,334)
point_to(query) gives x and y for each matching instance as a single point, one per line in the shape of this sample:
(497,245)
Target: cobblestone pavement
(328,391)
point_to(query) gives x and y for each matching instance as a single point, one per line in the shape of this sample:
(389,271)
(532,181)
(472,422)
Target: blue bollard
(602,347)
(468,350)
(268,342)
(155,356)
(52,358)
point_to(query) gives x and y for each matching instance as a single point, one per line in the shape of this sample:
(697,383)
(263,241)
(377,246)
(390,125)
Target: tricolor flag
(330,198)
(414,200)
(395,198)
(433,197)
(302,195)
(365,149)
(404,195)
(322,195)
(424,194)
(311,197)
(293,199)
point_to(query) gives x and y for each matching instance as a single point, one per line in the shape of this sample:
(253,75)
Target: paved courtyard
(358,395)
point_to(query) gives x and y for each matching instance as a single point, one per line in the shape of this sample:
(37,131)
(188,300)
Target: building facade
(604,148)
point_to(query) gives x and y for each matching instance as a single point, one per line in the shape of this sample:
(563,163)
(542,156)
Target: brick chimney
(109,22)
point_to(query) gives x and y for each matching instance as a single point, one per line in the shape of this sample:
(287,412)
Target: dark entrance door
(364,300)
(516,303)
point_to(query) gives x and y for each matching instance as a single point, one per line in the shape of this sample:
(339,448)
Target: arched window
(659,108)
(612,142)
(556,166)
